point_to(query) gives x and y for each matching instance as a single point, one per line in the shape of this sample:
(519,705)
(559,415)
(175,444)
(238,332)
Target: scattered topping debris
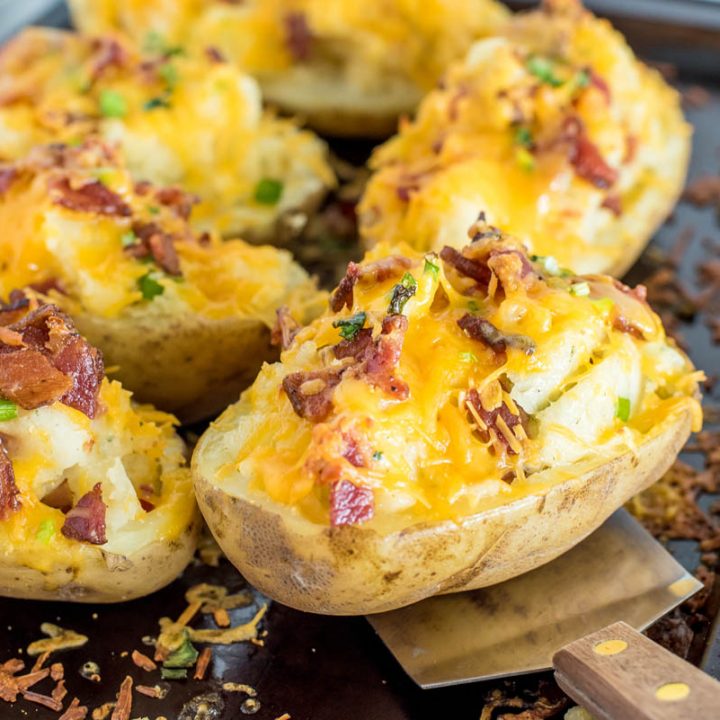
(86,521)
(91,671)
(74,711)
(143,661)
(203,662)
(350,327)
(268,191)
(123,706)
(622,409)
(58,639)
(239,687)
(350,504)
(156,691)
(285,329)
(310,393)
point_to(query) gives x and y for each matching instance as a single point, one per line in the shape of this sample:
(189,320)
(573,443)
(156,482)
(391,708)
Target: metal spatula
(619,573)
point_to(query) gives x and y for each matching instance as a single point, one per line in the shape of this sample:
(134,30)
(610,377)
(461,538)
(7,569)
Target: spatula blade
(620,572)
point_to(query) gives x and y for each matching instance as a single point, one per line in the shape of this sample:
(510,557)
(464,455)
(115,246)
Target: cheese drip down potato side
(193,121)
(450,422)
(555,130)
(96,501)
(348,67)
(183,318)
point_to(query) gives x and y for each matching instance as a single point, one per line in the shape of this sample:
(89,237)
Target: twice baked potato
(193,121)
(183,318)
(452,421)
(553,129)
(348,67)
(96,501)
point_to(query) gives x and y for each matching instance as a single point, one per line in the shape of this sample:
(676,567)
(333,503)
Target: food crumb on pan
(58,639)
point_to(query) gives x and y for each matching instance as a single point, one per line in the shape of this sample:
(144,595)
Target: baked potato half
(452,421)
(348,67)
(193,121)
(555,130)
(96,501)
(183,319)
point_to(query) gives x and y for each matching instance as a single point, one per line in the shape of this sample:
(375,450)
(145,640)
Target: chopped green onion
(149,286)
(523,137)
(468,357)
(605,305)
(408,281)
(169,73)
(156,102)
(473,306)
(401,293)
(153,209)
(104,175)
(350,327)
(580,289)
(582,79)
(377,455)
(8,410)
(46,531)
(184,657)
(127,239)
(543,69)
(112,104)
(268,191)
(154,42)
(622,410)
(430,266)
(525,159)
(173,673)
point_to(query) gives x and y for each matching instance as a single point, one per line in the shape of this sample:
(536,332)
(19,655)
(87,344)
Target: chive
(542,68)
(127,239)
(112,104)
(350,327)
(582,79)
(430,266)
(46,531)
(8,410)
(156,102)
(173,673)
(184,657)
(169,73)
(377,455)
(523,137)
(580,289)
(468,357)
(149,286)
(622,411)
(154,42)
(525,159)
(473,306)
(550,265)
(268,191)
(153,209)
(401,293)
(605,304)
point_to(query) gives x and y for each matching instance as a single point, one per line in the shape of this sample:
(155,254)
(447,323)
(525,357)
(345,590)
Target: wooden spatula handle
(617,673)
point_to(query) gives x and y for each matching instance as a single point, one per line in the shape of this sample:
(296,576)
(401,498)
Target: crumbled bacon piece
(475,269)
(498,424)
(92,197)
(124,701)
(108,53)
(28,378)
(9,493)
(214,54)
(74,711)
(310,393)
(285,329)
(178,200)
(613,203)
(484,331)
(86,521)
(154,242)
(45,700)
(202,663)
(83,364)
(703,191)
(350,504)
(143,661)
(7,177)
(385,355)
(599,83)
(298,36)
(373,272)
(355,348)
(585,157)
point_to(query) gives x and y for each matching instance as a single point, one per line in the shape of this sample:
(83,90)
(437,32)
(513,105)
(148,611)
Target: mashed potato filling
(440,386)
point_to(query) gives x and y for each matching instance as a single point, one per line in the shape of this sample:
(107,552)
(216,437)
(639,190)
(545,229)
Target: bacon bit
(57,671)
(621,323)
(498,424)
(599,83)
(613,203)
(9,492)
(179,201)
(74,711)
(108,53)
(45,286)
(86,521)
(162,248)
(350,504)
(59,692)
(8,175)
(343,295)
(222,619)
(474,269)
(143,661)
(102,712)
(42,659)
(214,55)
(83,364)
(355,348)
(285,329)
(298,36)
(631,145)
(93,197)
(316,405)
(28,378)
(585,156)
(385,356)
(703,191)
(373,272)
(696,97)
(284,716)
(155,691)
(484,331)
(202,663)
(45,700)
(124,700)
(58,639)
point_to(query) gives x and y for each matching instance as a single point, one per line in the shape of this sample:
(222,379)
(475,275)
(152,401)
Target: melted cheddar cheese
(586,372)
(87,254)
(372,44)
(131,450)
(554,130)
(192,121)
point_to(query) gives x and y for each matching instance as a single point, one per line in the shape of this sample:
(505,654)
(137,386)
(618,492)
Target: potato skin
(106,578)
(353,570)
(184,363)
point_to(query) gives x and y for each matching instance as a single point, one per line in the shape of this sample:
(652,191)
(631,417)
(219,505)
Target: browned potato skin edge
(353,570)
(115,579)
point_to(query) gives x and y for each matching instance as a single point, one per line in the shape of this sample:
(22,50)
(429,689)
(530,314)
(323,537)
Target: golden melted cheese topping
(59,454)
(87,252)
(413,39)
(575,385)
(183,120)
(554,130)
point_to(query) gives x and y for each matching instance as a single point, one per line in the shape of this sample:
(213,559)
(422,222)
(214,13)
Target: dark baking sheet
(322,668)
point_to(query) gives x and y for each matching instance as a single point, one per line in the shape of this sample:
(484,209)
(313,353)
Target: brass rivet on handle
(610,647)
(672,691)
